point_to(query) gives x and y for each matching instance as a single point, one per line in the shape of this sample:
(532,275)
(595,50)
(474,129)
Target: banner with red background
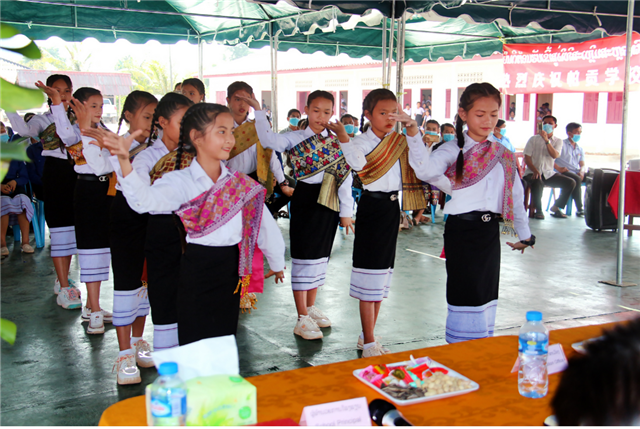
(593,66)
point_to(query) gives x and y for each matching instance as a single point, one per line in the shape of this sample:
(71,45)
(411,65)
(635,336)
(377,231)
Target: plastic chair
(357,193)
(445,201)
(37,222)
(433,213)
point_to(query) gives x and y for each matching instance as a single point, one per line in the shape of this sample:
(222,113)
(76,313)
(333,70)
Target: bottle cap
(168,368)
(534,316)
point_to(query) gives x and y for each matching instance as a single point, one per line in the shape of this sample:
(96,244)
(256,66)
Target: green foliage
(8,331)
(51,60)
(150,76)
(14,97)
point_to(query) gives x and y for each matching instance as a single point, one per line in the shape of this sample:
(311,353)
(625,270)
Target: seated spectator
(602,386)
(349,126)
(570,163)
(499,135)
(447,133)
(407,109)
(539,153)
(16,205)
(293,117)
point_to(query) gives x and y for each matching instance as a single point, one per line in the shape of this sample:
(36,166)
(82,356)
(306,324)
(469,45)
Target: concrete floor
(55,374)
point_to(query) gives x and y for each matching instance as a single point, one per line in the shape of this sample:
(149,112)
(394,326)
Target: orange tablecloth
(631,191)
(487,362)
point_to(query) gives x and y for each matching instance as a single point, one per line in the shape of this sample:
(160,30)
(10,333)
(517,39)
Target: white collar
(372,136)
(198,173)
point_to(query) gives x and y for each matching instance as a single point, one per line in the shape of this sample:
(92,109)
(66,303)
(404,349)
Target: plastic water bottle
(533,379)
(168,397)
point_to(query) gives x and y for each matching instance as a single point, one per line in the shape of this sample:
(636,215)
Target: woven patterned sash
(216,207)
(136,150)
(322,154)
(392,148)
(246,136)
(168,163)
(478,162)
(76,153)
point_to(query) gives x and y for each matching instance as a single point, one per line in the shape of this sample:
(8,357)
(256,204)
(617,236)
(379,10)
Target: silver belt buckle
(393,197)
(486,217)
(103,178)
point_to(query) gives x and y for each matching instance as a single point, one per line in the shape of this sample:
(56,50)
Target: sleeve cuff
(260,115)
(57,109)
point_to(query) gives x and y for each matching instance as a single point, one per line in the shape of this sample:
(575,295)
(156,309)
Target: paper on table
(211,356)
(556,360)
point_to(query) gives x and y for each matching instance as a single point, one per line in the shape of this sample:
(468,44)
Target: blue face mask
(404,131)
(349,128)
(548,128)
(503,131)
(5,138)
(431,133)
(576,138)
(448,137)
(294,121)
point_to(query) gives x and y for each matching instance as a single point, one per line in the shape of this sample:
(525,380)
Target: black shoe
(580,213)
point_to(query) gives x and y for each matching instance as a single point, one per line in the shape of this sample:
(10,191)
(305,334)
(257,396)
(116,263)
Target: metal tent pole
(392,28)
(384,50)
(400,65)
(274,83)
(623,150)
(200,53)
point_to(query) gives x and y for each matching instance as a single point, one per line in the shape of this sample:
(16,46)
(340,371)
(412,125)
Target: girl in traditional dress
(481,177)
(127,235)
(220,209)
(94,193)
(322,200)
(193,89)
(384,161)
(55,130)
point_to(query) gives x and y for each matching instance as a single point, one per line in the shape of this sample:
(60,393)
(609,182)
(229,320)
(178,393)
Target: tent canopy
(329,29)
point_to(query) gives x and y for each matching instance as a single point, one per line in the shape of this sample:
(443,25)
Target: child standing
(94,193)
(55,130)
(481,177)
(384,161)
(322,199)
(220,208)
(193,89)
(127,234)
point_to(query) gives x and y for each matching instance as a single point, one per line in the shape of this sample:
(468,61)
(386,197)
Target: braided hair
(133,103)
(472,93)
(166,107)
(197,84)
(67,80)
(370,101)
(198,117)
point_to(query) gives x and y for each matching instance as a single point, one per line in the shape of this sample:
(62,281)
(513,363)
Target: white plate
(474,385)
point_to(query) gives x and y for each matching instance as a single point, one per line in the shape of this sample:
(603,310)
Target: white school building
(443,81)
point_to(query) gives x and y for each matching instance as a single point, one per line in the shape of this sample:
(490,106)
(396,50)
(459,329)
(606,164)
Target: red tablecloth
(632,194)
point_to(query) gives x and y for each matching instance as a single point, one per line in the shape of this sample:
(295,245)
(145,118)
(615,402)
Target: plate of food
(580,346)
(415,381)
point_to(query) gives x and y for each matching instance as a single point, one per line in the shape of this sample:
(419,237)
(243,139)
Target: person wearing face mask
(570,163)
(293,118)
(349,127)
(540,153)
(499,135)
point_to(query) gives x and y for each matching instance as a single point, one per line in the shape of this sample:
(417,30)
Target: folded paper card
(556,360)
(352,412)
(211,356)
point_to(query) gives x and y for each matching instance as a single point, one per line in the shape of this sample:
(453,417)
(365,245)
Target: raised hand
(410,124)
(52,93)
(84,120)
(251,101)
(338,129)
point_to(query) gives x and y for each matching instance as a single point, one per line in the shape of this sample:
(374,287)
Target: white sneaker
(144,358)
(128,372)
(69,298)
(56,285)
(372,351)
(106,316)
(5,251)
(317,315)
(360,345)
(26,248)
(307,328)
(96,323)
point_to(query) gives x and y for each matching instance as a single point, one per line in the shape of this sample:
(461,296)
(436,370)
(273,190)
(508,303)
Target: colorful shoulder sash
(49,136)
(216,207)
(478,162)
(136,150)
(322,154)
(168,163)
(246,136)
(392,148)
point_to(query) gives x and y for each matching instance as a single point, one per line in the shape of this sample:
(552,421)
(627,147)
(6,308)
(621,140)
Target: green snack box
(221,400)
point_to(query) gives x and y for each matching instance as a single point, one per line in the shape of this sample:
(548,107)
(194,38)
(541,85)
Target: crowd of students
(182,205)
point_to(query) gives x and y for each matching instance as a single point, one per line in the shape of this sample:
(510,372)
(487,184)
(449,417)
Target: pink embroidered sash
(217,206)
(478,162)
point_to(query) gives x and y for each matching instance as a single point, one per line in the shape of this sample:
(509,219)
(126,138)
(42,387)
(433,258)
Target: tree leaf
(15,150)
(8,331)
(30,51)
(7,31)
(14,97)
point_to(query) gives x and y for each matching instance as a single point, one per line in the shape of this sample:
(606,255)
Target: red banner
(593,66)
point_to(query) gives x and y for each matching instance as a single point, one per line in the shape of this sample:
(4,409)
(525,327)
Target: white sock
(126,352)
(134,340)
(362,335)
(369,345)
